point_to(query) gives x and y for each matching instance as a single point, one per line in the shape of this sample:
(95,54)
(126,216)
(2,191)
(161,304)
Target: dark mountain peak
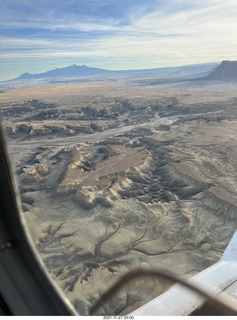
(226,71)
(73,66)
(25,75)
(73,71)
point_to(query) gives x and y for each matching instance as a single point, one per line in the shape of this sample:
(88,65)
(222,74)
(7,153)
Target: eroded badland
(117,175)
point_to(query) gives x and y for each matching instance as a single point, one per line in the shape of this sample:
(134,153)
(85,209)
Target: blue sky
(37,36)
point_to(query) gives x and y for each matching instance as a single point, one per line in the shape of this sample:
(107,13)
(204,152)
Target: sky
(41,35)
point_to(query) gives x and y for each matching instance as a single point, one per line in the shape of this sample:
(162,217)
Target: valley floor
(114,176)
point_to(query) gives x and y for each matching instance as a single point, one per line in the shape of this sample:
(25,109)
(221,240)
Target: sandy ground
(150,182)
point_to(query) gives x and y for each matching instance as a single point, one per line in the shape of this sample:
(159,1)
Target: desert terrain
(115,175)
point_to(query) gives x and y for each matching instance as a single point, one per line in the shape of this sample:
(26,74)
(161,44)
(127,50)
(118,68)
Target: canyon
(120,174)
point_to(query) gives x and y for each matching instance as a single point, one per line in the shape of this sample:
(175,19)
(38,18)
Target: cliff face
(226,71)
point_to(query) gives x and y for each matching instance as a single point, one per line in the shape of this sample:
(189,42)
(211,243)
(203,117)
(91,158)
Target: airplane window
(127,168)
(104,194)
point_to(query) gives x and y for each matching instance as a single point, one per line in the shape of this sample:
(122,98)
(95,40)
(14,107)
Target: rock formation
(151,183)
(227,71)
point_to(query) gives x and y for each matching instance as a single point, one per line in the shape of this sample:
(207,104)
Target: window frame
(25,286)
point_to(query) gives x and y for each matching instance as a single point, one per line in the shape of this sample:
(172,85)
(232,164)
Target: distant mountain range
(68,72)
(75,72)
(224,71)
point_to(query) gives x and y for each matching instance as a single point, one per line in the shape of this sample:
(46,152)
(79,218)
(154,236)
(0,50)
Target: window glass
(103,195)
(120,170)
